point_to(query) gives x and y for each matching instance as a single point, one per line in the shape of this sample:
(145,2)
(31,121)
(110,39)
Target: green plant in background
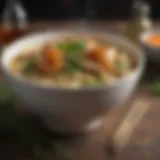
(7,109)
(31,138)
(151,81)
(154,88)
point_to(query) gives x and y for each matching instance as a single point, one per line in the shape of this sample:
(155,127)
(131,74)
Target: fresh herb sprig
(73,55)
(30,65)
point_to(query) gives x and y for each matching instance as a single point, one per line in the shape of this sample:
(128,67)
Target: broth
(73,63)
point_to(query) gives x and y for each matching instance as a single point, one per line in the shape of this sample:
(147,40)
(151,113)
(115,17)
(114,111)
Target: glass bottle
(140,20)
(13,22)
(88,16)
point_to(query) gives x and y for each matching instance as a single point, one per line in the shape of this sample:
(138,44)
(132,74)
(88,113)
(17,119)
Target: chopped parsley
(73,55)
(29,65)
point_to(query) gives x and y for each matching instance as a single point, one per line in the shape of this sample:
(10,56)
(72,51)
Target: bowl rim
(121,39)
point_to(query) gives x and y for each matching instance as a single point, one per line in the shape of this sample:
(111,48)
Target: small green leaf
(89,83)
(71,47)
(122,65)
(30,65)
(74,55)
(73,66)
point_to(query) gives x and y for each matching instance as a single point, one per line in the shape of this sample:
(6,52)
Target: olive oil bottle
(139,21)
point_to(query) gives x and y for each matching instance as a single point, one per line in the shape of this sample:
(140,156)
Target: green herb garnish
(93,82)
(71,47)
(73,66)
(122,65)
(30,65)
(73,54)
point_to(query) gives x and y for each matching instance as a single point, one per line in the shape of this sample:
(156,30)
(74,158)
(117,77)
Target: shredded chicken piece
(91,44)
(104,56)
(51,59)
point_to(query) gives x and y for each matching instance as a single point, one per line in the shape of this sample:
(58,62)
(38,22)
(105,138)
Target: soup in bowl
(71,79)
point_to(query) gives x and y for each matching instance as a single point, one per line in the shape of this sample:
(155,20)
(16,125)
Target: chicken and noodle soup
(73,63)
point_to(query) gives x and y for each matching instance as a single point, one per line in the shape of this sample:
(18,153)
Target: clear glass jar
(139,22)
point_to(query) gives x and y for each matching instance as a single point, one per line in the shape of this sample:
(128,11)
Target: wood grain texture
(119,139)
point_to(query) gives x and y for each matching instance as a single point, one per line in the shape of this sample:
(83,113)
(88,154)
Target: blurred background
(75,9)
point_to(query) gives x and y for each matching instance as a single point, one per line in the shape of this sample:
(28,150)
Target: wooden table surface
(145,142)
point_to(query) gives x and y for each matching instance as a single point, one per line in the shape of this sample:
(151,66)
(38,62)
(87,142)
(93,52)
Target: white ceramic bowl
(152,52)
(69,110)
